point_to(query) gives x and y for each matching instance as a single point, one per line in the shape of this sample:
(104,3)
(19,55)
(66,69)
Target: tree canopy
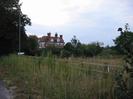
(124,42)
(9,26)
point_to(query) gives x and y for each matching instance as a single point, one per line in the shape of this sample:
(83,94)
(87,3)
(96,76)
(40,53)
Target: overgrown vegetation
(52,78)
(124,86)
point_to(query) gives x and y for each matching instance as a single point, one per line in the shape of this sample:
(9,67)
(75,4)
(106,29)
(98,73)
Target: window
(58,40)
(52,40)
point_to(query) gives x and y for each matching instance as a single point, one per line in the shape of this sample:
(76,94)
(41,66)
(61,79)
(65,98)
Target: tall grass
(53,78)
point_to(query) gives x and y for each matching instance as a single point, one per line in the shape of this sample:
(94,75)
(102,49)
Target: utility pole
(19,31)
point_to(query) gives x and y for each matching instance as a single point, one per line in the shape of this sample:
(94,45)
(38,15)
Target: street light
(19,31)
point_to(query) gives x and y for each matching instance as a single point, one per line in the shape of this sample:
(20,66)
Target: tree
(9,26)
(32,47)
(127,27)
(65,53)
(69,47)
(74,41)
(125,43)
(92,49)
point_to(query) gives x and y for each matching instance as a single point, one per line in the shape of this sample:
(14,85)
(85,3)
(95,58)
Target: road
(4,93)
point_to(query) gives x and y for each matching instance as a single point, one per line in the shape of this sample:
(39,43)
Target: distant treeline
(80,50)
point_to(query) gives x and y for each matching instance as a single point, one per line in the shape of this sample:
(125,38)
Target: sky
(89,20)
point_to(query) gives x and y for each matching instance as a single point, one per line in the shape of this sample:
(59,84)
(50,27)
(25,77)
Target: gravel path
(4,93)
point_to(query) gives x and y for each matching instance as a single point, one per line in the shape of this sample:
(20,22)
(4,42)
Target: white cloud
(57,12)
(46,12)
(62,12)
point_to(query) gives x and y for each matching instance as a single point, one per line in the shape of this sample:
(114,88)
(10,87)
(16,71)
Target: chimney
(49,34)
(56,35)
(61,36)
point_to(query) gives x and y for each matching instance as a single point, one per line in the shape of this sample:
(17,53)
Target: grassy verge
(52,78)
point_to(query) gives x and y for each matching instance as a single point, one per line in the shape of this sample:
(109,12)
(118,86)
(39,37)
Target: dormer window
(58,40)
(52,40)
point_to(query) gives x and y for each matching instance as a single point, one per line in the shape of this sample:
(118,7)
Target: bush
(125,84)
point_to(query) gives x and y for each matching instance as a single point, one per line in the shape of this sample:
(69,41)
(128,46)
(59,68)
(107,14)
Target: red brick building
(51,41)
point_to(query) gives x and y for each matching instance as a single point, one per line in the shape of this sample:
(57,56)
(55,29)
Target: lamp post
(19,31)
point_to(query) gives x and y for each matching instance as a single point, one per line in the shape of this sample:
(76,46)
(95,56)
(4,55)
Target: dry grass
(54,78)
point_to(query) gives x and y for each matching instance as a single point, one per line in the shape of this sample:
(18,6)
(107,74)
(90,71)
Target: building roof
(50,38)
